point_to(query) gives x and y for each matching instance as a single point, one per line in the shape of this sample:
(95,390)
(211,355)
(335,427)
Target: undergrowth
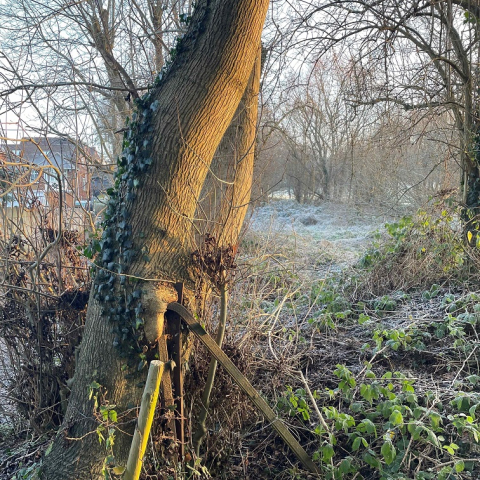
(383,417)
(379,422)
(418,251)
(376,366)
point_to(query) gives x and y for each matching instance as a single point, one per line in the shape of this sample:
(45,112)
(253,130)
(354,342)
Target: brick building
(76,162)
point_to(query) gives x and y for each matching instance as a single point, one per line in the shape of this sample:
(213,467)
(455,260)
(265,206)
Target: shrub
(416,252)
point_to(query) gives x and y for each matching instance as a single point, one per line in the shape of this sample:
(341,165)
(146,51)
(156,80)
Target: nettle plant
(438,234)
(380,426)
(107,423)
(332,305)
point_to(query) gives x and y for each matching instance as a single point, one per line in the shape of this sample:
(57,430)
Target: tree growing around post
(149,236)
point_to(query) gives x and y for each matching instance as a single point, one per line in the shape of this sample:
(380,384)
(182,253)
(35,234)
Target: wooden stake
(145,420)
(245,385)
(177,373)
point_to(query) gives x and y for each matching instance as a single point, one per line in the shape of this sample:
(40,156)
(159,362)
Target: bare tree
(85,61)
(318,127)
(428,54)
(331,147)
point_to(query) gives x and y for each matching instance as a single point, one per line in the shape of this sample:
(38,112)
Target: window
(35,175)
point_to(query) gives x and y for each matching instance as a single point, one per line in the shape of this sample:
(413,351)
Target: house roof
(62,153)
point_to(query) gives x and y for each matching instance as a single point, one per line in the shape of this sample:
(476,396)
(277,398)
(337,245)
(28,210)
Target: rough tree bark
(226,192)
(148,237)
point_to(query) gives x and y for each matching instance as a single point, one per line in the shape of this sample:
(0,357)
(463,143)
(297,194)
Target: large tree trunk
(148,239)
(226,192)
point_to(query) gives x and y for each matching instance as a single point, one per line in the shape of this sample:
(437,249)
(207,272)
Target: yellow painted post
(144,422)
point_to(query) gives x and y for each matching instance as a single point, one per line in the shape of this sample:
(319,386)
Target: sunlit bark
(194,105)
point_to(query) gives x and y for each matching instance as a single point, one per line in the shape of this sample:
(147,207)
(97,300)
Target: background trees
(419,55)
(331,147)
(103,52)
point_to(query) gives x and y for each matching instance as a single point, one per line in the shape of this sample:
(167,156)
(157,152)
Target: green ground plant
(419,251)
(380,425)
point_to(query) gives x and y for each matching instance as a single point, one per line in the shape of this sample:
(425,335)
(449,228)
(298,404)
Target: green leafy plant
(432,292)
(385,304)
(107,419)
(422,251)
(378,422)
(294,403)
(333,305)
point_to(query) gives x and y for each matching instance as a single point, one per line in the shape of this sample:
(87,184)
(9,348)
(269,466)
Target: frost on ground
(324,238)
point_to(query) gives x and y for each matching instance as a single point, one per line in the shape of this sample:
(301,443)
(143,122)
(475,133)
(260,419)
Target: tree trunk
(223,204)
(227,188)
(471,189)
(472,184)
(148,239)
(470,161)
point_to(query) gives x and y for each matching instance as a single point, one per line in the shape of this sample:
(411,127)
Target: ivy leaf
(345,466)
(363,319)
(49,449)
(435,419)
(473,379)
(104,412)
(357,406)
(107,255)
(371,460)
(367,426)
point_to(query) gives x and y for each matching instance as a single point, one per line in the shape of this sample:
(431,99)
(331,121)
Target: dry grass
(269,310)
(275,332)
